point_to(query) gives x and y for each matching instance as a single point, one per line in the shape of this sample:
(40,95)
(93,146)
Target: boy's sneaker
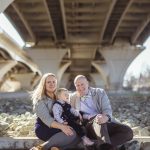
(87,141)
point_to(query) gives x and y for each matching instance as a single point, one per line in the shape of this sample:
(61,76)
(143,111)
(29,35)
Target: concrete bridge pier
(118,58)
(48,59)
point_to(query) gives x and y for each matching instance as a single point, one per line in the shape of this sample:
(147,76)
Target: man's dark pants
(112,132)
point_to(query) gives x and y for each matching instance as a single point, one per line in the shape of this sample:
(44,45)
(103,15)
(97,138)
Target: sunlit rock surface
(17,117)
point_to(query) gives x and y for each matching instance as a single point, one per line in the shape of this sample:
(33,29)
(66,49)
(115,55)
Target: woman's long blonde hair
(39,92)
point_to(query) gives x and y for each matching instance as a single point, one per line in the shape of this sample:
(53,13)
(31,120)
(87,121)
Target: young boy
(64,113)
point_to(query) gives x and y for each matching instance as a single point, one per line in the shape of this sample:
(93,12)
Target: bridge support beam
(4,4)
(16,52)
(48,60)
(103,75)
(118,58)
(24,79)
(6,66)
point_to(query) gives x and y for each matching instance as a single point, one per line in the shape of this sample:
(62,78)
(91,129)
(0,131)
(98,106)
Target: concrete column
(99,82)
(102,74)
(64,80)
(24,79)
(16,54)
(4,4)
(48,60)
(6,66)
(118,58)
(61,71)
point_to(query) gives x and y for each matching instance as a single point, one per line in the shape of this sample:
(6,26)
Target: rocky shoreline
(133,111)
(17,117)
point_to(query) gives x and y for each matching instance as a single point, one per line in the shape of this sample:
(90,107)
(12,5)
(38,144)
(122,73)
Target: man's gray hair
(79,77)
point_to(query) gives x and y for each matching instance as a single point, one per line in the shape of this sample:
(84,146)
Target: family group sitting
(64,120)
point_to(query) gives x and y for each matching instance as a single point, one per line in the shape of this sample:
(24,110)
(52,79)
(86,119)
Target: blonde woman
(53,134)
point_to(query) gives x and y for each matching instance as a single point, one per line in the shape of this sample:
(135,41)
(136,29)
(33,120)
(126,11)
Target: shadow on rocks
(132,145)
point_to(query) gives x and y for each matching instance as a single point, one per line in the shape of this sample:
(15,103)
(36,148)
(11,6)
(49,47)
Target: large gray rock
(145,146)
(131,145)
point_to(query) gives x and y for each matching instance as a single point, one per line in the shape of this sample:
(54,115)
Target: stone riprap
(133,110)
(17,118)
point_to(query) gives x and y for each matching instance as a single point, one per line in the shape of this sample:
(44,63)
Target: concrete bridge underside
(96,38)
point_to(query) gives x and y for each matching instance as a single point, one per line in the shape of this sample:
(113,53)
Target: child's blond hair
(59,91)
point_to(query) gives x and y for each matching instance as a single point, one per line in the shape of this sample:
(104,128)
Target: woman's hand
(66,129)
